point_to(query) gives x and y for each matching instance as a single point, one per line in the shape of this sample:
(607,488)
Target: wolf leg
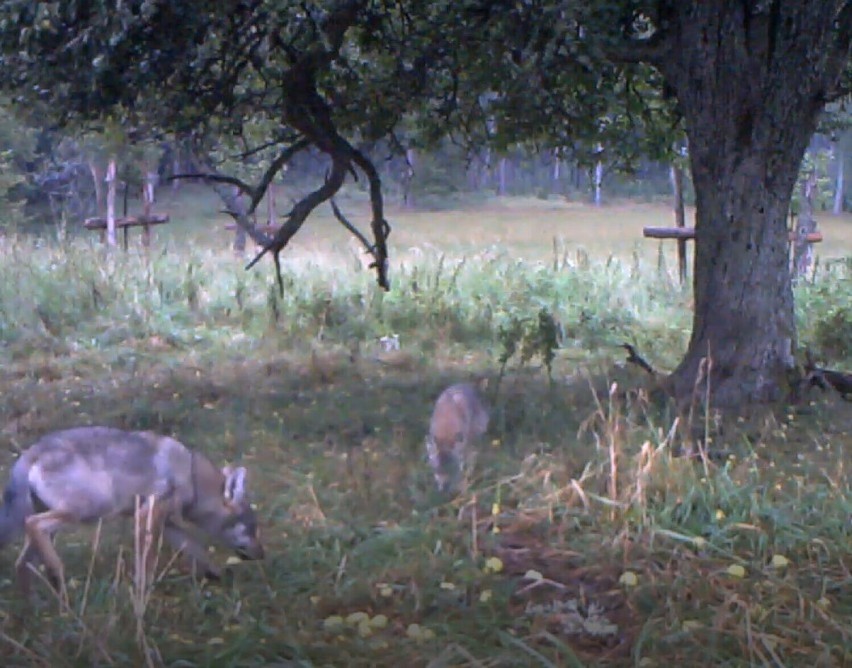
(28,559)
(39,530)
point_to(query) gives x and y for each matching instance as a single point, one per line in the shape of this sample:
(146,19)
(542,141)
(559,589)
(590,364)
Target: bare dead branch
(396,147)
(349,226)
(275,166)
(300,212)
(218,178)
(826,379)
(277,141)
(235,207)
(381,227)
(635,358)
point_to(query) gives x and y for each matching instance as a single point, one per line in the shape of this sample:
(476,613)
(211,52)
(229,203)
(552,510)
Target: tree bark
(750,82)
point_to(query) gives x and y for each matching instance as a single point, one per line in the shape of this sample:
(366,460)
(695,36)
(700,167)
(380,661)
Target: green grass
(583,539)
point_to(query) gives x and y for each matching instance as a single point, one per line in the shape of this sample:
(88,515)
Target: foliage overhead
(275,77)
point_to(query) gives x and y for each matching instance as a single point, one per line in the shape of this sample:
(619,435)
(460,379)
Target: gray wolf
(84,474)
(459,418)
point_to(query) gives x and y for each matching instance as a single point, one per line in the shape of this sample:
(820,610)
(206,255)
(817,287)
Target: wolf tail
(17,502)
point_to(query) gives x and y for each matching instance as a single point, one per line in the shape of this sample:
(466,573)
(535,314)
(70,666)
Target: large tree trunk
(743,321)
(750,84)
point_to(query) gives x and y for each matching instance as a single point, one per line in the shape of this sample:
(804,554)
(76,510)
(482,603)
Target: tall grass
(584,538)
(83,297)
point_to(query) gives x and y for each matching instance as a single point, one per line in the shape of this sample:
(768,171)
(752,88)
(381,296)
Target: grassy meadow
(583,539)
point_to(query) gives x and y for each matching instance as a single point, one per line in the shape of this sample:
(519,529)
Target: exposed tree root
(827,379)
(635,358)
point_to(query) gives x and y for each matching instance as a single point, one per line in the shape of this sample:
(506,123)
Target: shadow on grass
(591,546)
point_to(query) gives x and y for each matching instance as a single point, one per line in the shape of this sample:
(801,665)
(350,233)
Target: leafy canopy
(274,77)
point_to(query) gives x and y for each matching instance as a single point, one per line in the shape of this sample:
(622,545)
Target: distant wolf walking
(460,417)
(81,475)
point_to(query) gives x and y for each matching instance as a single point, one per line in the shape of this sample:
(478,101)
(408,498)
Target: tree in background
(836,128)
(751,80)
(200,71)
(18,149)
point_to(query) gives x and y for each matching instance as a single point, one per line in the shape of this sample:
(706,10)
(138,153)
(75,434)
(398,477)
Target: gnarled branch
(300,212)
(235,208)
(276,166)
(217,178)
(381,228)
(635,358)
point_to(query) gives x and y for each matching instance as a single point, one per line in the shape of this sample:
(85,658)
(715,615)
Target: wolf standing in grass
(460,417)
(85,474)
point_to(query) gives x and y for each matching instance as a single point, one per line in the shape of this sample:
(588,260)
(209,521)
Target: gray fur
(17,502)
(84,474)
(459,418)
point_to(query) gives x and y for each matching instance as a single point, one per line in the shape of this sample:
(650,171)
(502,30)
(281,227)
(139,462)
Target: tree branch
(276,166)
(235,207)
(635,358)
(262,147)
(378,263)
(237,210)
(349,226)
(380,226)
(300,212)
(218,178)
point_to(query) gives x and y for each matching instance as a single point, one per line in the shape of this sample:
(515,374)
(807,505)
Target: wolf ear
(235,483)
